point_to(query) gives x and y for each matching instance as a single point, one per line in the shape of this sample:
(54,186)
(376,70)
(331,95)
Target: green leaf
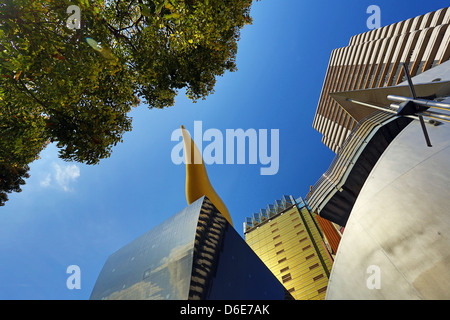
(174,15)
(69,91)
(145,10)
(159,6)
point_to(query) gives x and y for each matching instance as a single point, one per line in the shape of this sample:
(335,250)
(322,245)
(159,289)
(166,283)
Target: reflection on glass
(156,265)
(195,255)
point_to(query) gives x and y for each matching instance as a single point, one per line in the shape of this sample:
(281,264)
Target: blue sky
(73,214)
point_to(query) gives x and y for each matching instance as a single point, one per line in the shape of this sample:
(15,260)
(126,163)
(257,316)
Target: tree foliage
(11,178)
(76,87)
(148,51)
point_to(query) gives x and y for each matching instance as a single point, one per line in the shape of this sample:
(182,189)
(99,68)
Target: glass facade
(194,255)
(157,265)
(290,243)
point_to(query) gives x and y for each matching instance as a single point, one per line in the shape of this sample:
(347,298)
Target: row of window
(314,266)
(310,293)
(295,226)
(303,281)
(287,277)
(291,251)
(291,246)
(303,267)
(286,234)
(303,249)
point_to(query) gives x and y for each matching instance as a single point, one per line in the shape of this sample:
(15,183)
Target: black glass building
(194,255)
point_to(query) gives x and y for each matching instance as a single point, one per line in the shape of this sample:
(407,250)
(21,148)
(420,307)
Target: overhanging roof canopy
(433,83)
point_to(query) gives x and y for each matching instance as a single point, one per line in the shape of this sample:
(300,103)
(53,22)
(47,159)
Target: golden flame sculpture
(197,181)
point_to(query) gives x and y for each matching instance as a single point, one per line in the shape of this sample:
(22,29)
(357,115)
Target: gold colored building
(373,60)
(288,239)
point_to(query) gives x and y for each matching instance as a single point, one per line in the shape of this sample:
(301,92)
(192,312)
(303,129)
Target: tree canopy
(11,178)
(76,86)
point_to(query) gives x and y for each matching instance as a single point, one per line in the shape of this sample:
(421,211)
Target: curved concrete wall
(396,244)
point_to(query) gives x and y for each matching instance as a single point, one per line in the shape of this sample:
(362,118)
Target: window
(314,266)
(281,251)
(284,269)
(306,248)
(282,260)
(277,244)
(320,276)
(322,290)
(286,278)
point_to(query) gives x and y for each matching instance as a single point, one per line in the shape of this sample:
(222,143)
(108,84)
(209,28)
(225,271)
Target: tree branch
(31,94)
(134,24)
(118,35)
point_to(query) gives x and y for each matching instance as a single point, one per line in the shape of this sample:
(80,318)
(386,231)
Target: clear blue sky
(70,213)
